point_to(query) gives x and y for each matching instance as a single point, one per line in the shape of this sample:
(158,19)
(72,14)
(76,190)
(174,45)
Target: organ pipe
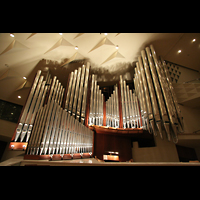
(152,94)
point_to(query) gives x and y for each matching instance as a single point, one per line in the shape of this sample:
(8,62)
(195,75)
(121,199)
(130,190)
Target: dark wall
(2,148)
(186,154)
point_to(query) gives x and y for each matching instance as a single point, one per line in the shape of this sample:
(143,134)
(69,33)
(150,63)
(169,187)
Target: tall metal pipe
(166,97)
(152,94)
(147,96)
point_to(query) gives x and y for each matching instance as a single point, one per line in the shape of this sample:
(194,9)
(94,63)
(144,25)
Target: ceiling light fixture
(76,47)
(105,33)
(179,51)
(12,35)
(24,77)
(60,33)
(19,97)
(193,40)
(117,47)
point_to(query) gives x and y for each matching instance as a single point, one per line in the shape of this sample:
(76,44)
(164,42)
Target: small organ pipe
(69,91)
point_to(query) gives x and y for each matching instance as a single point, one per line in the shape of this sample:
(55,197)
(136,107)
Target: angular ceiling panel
(14,45)
(76,56)
(31,35)
(102,42)
(61,42)
(96,47)
(116,54)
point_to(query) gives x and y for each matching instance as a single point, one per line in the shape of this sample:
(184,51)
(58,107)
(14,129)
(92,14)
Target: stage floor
(19,161)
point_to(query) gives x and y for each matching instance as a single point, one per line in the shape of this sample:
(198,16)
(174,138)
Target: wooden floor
(19,161)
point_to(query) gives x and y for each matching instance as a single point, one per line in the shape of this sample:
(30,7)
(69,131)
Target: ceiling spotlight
(60,33)
(24,77)
(12,35)
(179,51)
(117,47)
(19,97)
(105,33)
(193,40)
(76,47)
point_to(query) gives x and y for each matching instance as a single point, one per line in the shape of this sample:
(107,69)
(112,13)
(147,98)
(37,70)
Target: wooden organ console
(75,121)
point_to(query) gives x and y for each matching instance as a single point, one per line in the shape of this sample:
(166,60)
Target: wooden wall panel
(105,142)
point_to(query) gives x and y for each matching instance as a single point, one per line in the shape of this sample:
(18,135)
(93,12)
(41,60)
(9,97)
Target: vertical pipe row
(38,93)
(112,109)
(58,132)
(96,104)
(156,95)
(76,95)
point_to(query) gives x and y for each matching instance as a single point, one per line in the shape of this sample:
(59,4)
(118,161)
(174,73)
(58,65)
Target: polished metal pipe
(152,95)
(91,102)
(80,93)
(85,92)
(76,92)
(166,98)
(122,100)
(147,96)
(69,91)
(161,103)
(26,107)
(143,99)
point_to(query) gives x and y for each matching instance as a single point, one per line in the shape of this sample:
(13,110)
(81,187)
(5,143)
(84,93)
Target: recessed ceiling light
(24,77)
(117,47)
(76,47)
(19,97)
(179,51)
(12,35)
(105,33)
(193,40)
(60,33)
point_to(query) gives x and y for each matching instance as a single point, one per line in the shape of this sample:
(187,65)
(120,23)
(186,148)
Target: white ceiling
(22,53)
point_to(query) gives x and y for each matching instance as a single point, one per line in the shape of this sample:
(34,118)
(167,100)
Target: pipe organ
(55,121)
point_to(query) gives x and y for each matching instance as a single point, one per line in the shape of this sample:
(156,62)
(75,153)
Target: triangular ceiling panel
(14,45)
(181,99)
(190,89)
(188,85)
(4,75)
(31,35)
(116,54)
(182,95)
(9,73)
(74,57)
(102,42)
(61,42)
(191,94)
(25,84)
(79,35)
